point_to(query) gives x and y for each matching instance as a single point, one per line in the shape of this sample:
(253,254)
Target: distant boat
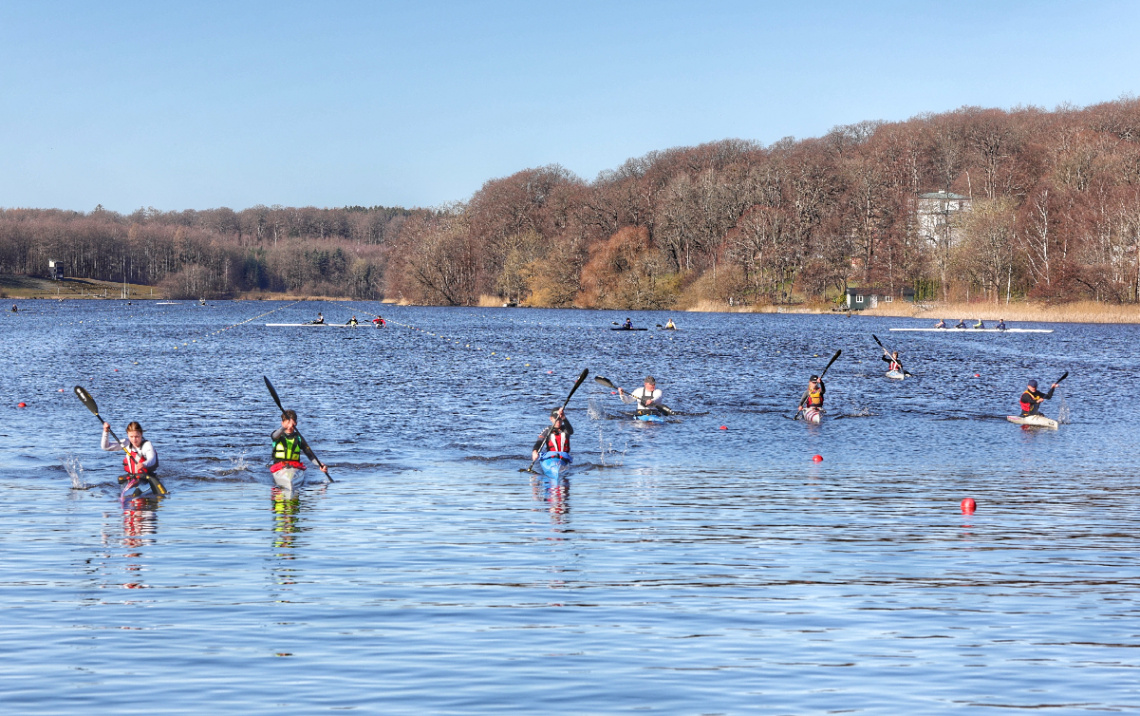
(976,330)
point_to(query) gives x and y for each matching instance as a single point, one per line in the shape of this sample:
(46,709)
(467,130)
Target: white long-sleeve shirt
(149,456)
(640,396)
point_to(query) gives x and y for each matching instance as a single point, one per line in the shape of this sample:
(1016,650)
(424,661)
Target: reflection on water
(702,570)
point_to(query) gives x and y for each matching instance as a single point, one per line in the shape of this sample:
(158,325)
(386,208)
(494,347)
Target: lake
(684,568)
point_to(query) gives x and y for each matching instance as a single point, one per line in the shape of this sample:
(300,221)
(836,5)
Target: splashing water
(74,471)
(593,408)
(237,464)
(606,448)
(1063,412)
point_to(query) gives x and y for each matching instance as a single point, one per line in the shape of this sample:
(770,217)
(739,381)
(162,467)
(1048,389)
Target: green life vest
(287,448)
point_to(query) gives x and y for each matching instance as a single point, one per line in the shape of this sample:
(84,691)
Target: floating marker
(21,405)
(724,427)
(968,506)
(817,458)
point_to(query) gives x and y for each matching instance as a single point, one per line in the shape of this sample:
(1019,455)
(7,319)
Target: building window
(858,299)
(889,299)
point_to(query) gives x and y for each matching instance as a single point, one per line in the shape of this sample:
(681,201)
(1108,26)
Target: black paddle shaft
(273,394)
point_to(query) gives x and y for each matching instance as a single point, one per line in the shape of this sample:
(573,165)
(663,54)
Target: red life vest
(134,463)
(815,398)
(558,442)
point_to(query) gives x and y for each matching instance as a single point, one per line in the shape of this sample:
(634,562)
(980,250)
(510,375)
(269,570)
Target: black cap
(1032,384)
(814,377)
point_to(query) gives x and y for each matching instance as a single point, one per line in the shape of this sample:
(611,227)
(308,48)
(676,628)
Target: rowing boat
(555,464)
(813,415)
(1033,421)
(896,374)
(289,478)
(310,325)
(976,330)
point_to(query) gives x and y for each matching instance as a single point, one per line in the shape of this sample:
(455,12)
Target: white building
(938,215)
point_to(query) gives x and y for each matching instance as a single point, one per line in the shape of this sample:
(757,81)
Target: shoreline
(1022,312)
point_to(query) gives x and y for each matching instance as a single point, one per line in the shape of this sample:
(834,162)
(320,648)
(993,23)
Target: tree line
(1035,204)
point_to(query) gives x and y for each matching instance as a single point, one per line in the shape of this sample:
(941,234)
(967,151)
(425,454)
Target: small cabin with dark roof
(859,299)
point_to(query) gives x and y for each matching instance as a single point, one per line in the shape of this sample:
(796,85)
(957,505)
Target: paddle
(277,400)
(546,434)
(825,369)
(663,409)
(89,402)
(888,354)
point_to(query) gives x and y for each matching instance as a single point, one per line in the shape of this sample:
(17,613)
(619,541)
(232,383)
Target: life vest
(558,442)
(815,398)
(134,463)
(287,448)
(1033,400)
(895,365)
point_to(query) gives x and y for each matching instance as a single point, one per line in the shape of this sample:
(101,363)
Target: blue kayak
(555,464)
(650,417)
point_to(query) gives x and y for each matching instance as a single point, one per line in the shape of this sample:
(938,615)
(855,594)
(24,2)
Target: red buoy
(21,405)
(724,427)
(817,458)
(977,375)
(968,506)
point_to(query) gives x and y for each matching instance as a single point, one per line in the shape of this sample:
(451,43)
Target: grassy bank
(27,287)
(1076,312)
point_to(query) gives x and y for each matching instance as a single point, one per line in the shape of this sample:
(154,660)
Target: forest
(1034,204)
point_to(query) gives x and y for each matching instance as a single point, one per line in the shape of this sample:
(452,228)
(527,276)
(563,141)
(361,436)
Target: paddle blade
(157,486)
(604,381)
(1066,375)
(833,359)
(585,372)
(86,399)
(273,393)
(878,341)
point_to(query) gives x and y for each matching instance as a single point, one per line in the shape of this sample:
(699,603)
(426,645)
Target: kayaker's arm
(541,441)
(567,427)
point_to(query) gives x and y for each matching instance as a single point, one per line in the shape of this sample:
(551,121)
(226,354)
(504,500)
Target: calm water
(683,569)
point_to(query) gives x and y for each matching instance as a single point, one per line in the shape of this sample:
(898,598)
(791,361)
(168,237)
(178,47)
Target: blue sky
(196,105)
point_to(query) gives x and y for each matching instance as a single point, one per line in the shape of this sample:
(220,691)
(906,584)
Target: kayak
(1034,421)
(629,329)
(555,464)
(896,375)
(289,478)
(310,325)
(977,330)
(663,328)
(813,415)
(654,417)
(134,487)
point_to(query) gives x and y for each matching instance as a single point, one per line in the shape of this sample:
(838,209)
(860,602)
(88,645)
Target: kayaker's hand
(325,469)
(620,391)
(106,427)
(533,455)
(1054,385)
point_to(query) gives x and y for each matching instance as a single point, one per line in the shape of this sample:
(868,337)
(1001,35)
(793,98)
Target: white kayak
(977,330)
(813,415)
(311,325)
(289,478)
(896,375)
(1035,421)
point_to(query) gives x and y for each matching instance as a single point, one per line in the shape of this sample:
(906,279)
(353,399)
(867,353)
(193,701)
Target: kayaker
(15,309)
(669,325)
(979,324)
(941,324)
(141,458)
(628,325)
(961,323)
(813,396)
(1031,399)
(647,397)
(320,319)
(379,322)
(288,446)
(557,439)
(893,360)
(352,322)
(1001,324)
